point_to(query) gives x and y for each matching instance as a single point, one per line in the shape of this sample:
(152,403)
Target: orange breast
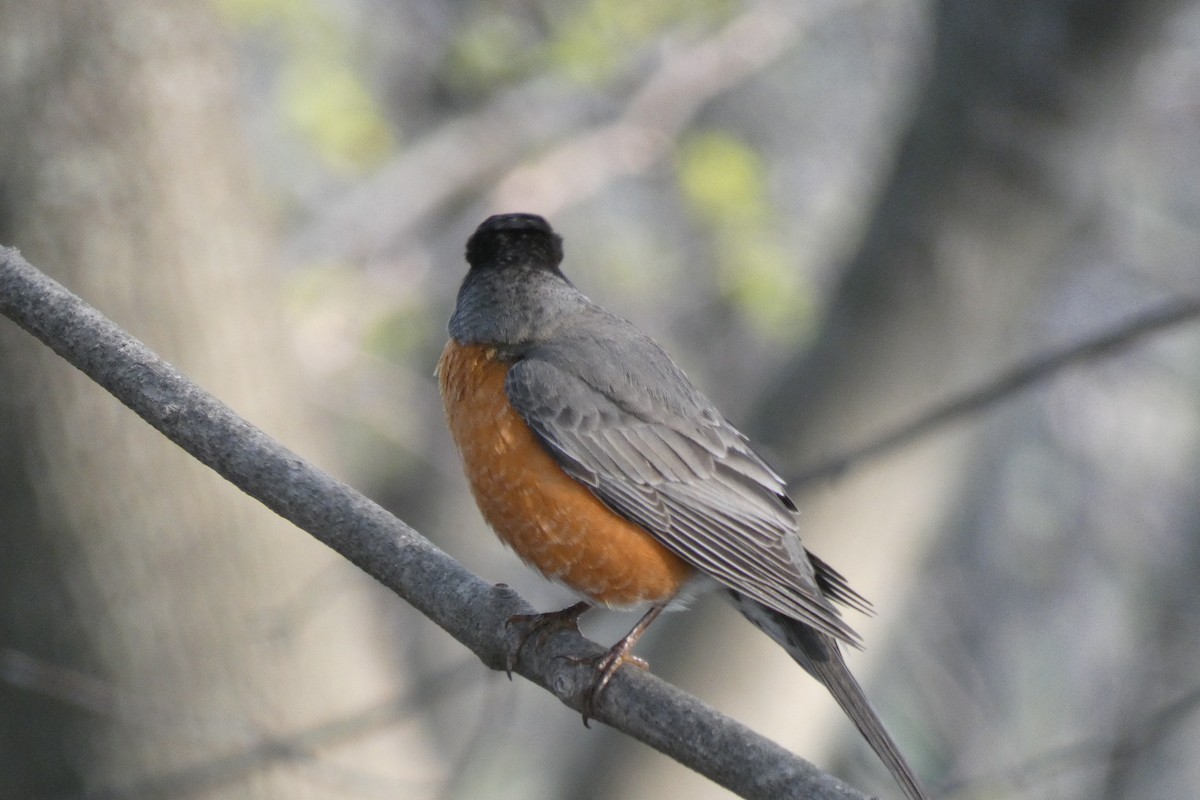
(553,522)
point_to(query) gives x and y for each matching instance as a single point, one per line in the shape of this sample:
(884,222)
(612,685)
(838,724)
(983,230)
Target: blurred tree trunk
(984,195)
(138,591)
(991,187)
(988,188)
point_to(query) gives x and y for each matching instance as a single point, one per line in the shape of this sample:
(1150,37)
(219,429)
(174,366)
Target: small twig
(469,609)
(1005,384)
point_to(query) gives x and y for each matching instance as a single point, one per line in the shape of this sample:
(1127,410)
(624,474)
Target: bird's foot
(621,653)
(606,666)
(527,626)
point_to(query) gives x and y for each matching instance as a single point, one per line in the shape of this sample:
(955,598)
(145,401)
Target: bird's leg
(618,654)
(542,625)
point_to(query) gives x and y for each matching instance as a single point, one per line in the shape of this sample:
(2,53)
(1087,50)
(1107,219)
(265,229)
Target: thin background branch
(659,111)
(1018,378)
(466,154)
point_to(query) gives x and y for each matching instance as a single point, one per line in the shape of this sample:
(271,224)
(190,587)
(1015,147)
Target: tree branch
(658,112)
(1007,383)
(465,154)
(469,609)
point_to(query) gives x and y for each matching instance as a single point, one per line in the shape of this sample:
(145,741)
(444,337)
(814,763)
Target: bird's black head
(507,240)
(514,293)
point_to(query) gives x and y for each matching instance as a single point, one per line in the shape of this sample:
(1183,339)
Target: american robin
(594,458)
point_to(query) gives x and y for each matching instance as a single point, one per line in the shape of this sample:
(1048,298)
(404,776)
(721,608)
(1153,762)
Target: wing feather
(673,465)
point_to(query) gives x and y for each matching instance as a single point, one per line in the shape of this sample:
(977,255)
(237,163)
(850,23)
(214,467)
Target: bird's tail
(821,657)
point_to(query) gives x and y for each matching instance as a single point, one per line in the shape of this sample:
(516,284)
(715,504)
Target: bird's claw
(527,626)
(606,666)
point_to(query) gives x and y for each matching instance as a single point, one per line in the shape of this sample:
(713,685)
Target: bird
(592,455)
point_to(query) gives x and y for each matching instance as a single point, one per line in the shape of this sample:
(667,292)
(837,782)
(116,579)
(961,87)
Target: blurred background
(836,215)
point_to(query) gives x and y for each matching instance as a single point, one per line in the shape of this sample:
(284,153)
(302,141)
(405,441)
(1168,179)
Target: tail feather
(821,657)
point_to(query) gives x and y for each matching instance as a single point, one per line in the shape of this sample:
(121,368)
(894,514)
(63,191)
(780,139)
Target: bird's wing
(663,457)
